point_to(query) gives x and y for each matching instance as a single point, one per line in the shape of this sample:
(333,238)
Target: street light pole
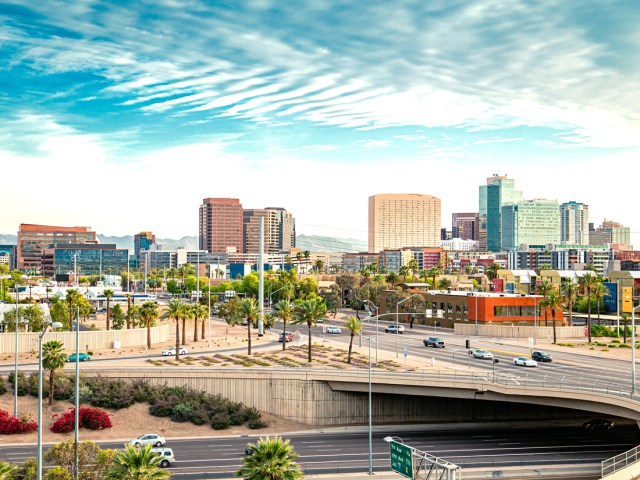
(633,350)
(370,415)
(15,371)
(377,325)
(77,397)
(40,426)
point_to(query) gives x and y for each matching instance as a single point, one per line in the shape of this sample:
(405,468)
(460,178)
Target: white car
(172,351)
(525,362)
(167,456)
(332,329)
(148,439)
(483,354)
(394,329)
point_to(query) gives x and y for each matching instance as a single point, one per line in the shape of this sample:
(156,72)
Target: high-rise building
(7,255)
(498,191)
(279,230)
(142,241)
(465,226)
(610,233)
(530,222)
(221,227)
(34,239)
(574,223)
(403,220)
(61,261)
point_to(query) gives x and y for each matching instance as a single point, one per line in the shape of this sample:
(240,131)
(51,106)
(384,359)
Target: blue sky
(123,117)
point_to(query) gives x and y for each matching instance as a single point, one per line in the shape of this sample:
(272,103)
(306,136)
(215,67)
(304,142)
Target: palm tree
(423,275)
(175,311)
(187,314)
(199,312)
(309,312)
(544,288)
(392,278)
(599,292)
(108,293)
(554,302)
(6,470)
(270,459)
(354,325)
(148,312)
(137,463)
(492,271)
(54,357)
(249,309)
(625,318)
(307,256)
(588,283)
(284,311)
(433,273)
(404,271)
(570,291)
(73,298)
(319,267)
(413,268)
(444,284)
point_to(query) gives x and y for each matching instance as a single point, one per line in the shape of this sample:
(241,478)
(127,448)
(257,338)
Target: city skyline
(118,117)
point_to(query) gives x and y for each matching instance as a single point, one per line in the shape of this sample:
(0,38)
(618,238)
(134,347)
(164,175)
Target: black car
(541,357)
(598,424)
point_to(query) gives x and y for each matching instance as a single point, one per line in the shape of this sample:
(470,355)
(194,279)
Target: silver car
(167,456)
(525,362)
(483,354)
(148,439)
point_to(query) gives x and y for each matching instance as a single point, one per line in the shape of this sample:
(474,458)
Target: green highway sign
(401,459)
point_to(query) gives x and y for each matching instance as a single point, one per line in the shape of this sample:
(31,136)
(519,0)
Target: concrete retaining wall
(89,340)
(504,331)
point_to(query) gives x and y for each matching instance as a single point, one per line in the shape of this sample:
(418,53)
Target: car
(482,354)
(148,439)
(167,456)
(332,329)
(172,351)
(525,362)
(320,320)
(394,329)
(435,342)
(82,357)
(286,336)
(598,424)
(541,357)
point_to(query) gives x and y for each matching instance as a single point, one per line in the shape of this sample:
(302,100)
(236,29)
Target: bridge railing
(614,464)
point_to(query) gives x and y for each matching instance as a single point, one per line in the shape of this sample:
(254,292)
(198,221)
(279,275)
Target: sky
(123,116)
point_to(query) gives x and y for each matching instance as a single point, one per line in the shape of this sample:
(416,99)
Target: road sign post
(401,459)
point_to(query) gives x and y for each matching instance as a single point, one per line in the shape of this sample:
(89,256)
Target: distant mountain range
(313,243)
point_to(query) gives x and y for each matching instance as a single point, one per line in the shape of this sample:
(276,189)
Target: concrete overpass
(333,397)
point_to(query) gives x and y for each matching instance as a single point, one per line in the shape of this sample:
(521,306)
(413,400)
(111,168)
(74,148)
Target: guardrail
(614,464)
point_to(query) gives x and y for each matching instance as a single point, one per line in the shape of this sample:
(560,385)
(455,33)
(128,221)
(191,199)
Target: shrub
(182,412)
(257,423)
(85,394)
(22,383)
(161,408)
(10,425)
(624,345)
(91,418)
(200,416)
(219,421)
(58,473)
(615,340)
(110,393)
(3,387)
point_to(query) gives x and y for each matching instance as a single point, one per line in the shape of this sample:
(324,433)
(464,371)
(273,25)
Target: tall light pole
(377,329)
(40,426)
(77,398)
(15,371)
(535,319)
(275,291)
(370,415)
(633,350)
(398,318)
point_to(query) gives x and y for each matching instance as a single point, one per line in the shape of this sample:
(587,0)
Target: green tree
(492,271)
(554,302)
(599,292)
(92,460)
(309,312)
(625,318)
(6,471)
(249,310)
(404,271)
(271,459)
(544,288)
(199,312)
(588,282)
(354,325)
(54,357)
(570,292)
(175,310)
(137,464)
(331,298)
(444,284)
(413,268)
(284,311)
(187,314)
(133,316)
(392,278)
(73,298)
(117,317)
(433,272)
(108,293)
(148,313)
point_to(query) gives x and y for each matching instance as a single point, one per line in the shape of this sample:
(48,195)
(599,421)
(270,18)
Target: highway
(341,453)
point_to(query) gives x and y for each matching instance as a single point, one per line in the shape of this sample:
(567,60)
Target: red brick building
(221,225)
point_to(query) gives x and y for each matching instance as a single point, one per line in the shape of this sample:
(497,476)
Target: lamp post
(398,318)
(77,397)
(39,459)
(370,415)
(275,291)
(633,350)
(377,323)
(535,319)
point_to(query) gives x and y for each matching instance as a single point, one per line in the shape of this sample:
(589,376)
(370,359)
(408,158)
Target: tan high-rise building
(279,230)
(398,220)
(221,225)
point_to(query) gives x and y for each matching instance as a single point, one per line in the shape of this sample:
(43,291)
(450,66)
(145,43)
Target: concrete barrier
(508,331)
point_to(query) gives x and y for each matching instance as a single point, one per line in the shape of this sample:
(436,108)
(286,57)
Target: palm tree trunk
(108,312)
(570,305)
(195,329)
(589,314)
(598,302)
(149,333)
(177,338)
(184,331)
(284,336)
(553,319)
(202,333)
(51,386)
(248,336)
(350,348)
(309,325)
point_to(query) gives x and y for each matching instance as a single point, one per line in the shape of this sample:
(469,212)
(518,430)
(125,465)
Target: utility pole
(261,280)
